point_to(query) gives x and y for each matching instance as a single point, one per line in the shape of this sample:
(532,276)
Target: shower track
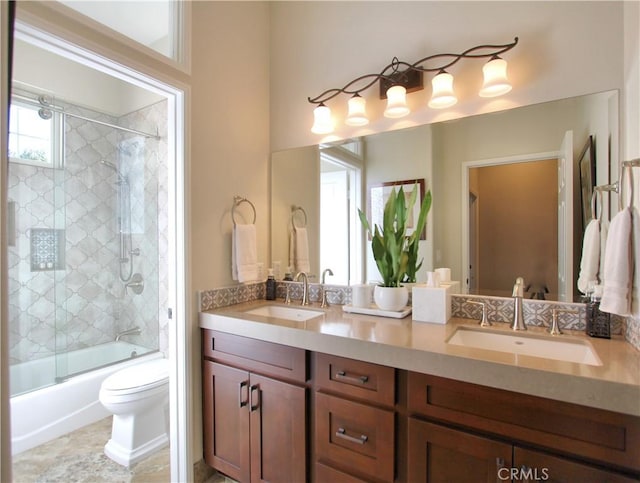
(44,103)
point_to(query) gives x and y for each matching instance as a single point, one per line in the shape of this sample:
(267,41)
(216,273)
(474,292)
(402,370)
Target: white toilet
(138,397)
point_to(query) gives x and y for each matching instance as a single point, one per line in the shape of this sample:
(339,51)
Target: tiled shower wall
(85,303)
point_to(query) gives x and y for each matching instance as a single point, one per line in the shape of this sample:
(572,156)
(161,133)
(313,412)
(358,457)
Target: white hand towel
(616,296)
(302,250)
(590,263)
(244,253)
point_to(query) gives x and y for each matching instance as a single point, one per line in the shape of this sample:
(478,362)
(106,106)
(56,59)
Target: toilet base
(135,438)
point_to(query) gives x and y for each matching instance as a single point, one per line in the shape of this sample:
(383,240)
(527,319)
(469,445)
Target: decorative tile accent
(237,294)
(632,331)
(536,312)
(47,249)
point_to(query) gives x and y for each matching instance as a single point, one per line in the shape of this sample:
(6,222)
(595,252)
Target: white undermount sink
(569,350)
(287,313)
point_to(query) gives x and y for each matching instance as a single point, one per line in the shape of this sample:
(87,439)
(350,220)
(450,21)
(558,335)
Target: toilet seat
(138,378)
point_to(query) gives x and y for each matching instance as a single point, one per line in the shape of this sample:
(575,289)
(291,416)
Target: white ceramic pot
(391,298)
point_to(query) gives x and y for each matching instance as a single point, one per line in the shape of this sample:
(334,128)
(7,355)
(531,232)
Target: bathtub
(59,408)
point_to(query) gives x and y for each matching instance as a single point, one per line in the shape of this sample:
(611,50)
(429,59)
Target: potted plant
(414,239)
(396,253)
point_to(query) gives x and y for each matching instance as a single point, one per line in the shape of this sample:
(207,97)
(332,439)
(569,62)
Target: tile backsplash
(499,309)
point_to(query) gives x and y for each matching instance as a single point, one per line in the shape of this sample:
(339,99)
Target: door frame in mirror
(466,167)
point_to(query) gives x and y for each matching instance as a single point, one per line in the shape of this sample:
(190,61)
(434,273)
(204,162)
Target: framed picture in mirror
(379,194)
(587,166)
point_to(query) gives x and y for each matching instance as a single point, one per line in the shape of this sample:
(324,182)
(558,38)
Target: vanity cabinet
(354,420)
(498,434)
(254,409)
(283,414)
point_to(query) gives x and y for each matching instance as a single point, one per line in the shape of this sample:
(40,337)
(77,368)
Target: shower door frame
(52,38)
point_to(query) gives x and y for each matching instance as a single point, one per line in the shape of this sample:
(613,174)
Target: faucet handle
(554,329)
(484,321)
(287,298)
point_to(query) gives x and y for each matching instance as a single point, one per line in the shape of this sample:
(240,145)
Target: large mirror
(506,195)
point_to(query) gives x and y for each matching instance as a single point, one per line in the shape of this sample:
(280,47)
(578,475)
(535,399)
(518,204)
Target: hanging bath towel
(590,263)
(244,253)
(618,268)
(299,250)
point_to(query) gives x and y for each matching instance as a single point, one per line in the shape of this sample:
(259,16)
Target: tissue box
(454,286)
(431,304)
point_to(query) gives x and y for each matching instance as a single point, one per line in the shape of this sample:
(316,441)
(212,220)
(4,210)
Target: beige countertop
(423,347)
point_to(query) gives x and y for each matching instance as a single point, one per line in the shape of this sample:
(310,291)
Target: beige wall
(320,45)
(229,132)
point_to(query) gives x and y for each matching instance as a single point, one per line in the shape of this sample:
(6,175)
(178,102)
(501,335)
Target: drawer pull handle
(342,433)
(343,375)
(243,402)
(254,389)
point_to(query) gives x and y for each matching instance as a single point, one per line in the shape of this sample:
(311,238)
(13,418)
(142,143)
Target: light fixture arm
(392,71)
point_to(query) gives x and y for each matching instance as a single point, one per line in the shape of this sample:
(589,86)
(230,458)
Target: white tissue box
(454,286)
(431,304)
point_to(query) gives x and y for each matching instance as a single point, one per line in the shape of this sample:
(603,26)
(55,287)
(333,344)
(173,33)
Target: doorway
(108,242)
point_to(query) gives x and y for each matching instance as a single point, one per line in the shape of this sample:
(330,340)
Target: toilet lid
(146,374)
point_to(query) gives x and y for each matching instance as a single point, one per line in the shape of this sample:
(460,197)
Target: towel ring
(237,201)
(294,209)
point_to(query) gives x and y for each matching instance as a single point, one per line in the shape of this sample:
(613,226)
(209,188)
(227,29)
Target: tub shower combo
(87,257)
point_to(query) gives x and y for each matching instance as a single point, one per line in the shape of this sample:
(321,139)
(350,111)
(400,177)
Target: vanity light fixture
(357,115)
(442,95)
(322,122)
(396,102)
(399,78)
(495,78)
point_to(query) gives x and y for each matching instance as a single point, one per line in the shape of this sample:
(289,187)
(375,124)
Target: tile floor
(78,457)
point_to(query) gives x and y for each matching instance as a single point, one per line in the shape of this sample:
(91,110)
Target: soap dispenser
(271,286)
(598,322)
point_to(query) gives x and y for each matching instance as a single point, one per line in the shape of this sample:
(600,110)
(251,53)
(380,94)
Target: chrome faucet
(324,291)
(305,287)
(132,331)
(518,315)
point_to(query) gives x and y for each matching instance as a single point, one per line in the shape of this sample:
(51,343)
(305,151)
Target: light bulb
(442,91)
(357,115)
(495,82)
(322,123)
(396,102)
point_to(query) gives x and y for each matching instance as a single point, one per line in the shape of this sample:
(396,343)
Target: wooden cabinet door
(437,454)
(278,431)
(533,466)
(226,419)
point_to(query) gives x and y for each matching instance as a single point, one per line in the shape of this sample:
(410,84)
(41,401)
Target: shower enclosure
(87,250)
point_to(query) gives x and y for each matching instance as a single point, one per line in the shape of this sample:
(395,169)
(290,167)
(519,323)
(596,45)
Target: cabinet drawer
(595,434)
(362,380)
(355,437)
(327,474)
(261,357)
